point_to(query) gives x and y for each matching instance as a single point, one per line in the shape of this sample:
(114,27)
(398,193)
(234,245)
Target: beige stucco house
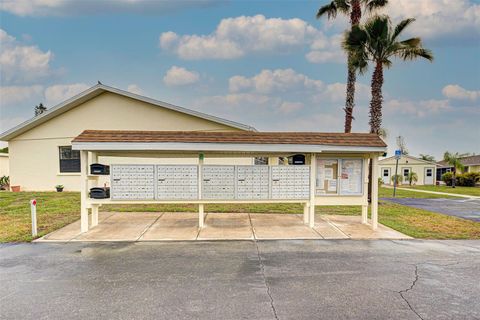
(40,148)
(470,164)
(4,163)
(425,170)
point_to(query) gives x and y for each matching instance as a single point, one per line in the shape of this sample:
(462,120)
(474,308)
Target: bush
(468,179)
(4,183)
(447,178)
(399,179)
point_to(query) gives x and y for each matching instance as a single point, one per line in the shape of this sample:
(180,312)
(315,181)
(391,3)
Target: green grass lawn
(55,210)
(384,192)
(470,191)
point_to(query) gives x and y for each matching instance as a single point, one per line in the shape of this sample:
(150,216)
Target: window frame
(68,165)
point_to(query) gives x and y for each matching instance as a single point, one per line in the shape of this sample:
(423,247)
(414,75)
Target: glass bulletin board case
(339,176)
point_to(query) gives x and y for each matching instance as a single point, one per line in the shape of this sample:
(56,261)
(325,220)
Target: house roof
(410,157)
(99,89)
(466,161)
(227,141)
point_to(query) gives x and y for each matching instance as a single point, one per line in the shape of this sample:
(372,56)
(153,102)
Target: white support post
(201,216)
(313,165)
(374,192)
(364,214)
(83,191)
(365,192)
(94,215)
(201,213)
(306,211)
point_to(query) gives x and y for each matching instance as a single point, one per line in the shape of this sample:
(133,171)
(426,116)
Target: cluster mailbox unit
(181,182)
(327,169)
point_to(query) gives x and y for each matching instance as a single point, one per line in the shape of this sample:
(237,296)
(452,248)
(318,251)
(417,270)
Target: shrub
(4,183)
(447,178)
(399,179)
(468,179)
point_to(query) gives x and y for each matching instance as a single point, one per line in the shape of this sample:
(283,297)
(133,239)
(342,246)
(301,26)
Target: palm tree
(427,157)
(353,8)
(377,41)
(453,159)
(412,177)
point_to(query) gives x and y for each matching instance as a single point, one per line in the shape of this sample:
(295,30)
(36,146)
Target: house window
(69,159)
(261,160)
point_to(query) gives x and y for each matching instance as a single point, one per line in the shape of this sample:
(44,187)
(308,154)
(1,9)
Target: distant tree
(427,157)
(402,146)
(40,109)
(453,159)
(352,9)
(4,150)
(412,177)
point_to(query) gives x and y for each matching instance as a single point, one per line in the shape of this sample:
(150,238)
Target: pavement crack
(402,292)
(262,268)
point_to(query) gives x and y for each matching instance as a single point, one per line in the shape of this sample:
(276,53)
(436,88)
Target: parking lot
(302,279)
(461,208)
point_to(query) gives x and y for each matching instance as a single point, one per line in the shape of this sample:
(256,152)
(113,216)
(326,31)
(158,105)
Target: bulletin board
(351,176)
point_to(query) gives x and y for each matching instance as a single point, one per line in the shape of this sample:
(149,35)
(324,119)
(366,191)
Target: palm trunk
(454,178)
(375,111)
(377,99)
(350,100)
(355,16)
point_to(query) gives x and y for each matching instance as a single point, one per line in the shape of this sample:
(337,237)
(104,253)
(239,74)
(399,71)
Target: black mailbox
(100,193)
(97,168)
(298,159)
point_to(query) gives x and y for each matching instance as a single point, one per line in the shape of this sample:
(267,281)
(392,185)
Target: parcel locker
(177,182)
(218,182)
(132,182)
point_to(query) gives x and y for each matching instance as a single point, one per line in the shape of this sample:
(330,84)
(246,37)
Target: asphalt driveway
(462,208)
(310,279)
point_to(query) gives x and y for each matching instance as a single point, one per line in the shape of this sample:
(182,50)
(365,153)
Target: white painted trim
(99,89)
(69,174)
(239,147)
(407,156)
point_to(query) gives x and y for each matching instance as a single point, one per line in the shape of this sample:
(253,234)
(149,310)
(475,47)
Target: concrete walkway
(436,192)
(178,226)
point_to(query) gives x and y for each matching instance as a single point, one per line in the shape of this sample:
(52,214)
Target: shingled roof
(466,161)
(241,137)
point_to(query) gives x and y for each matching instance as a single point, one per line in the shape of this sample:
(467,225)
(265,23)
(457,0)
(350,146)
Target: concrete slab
(281,226)
(328,230)
(226,226)
(353,228)
(72,230)
(124,226)
(173,226)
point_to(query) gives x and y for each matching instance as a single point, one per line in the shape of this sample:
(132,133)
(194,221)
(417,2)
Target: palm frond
(329,9)
(343,6)
(412,42)
(372,5)
(414,53)
(400,27)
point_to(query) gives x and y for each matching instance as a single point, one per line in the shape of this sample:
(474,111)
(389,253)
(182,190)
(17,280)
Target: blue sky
(269,64)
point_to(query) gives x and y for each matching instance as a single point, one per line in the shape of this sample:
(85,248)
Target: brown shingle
(247,137)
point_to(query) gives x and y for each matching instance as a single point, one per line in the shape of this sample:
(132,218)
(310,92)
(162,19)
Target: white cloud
(438,18)
(11,95)
(336,92)
(61,92)
(454,91)
(22,63)
(75,7)
(133,88)
(239,36)
(417,108)
(178,76)
(290,107)
(325,49)
(280,80)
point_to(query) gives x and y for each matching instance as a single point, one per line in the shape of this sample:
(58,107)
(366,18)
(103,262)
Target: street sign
(398,154)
